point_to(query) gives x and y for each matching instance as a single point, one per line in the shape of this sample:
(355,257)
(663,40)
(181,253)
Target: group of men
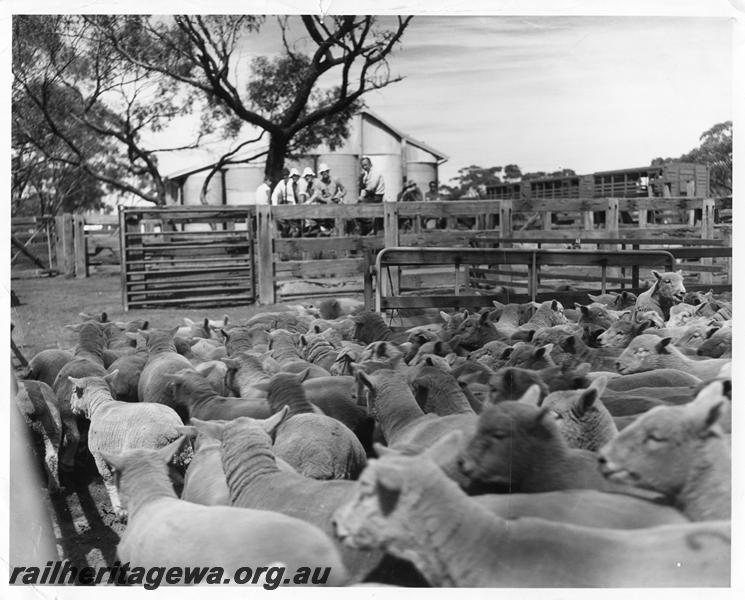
(306,188)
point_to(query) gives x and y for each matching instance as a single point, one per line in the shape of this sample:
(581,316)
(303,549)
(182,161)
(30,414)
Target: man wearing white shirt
(286,191)
(263,192)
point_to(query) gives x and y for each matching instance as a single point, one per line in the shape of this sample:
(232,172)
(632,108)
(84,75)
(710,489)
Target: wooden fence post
(65,250)
(265,228)
(79,246)
(612,217)
(505,222)
(727,237)
(707,233)
(123,257)
(390,238)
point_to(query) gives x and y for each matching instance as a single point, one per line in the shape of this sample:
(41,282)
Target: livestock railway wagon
(674,179)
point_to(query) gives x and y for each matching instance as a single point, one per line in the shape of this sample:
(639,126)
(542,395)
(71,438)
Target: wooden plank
(79,246)
(447,256)
(26,252)
(356,243)
(327,211)
(266,232)
(694,253)
(101,220)
(210,269)
(390,283)
(217,299)
(152,292)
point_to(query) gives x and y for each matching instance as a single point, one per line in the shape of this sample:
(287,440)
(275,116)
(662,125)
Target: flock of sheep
(525,445)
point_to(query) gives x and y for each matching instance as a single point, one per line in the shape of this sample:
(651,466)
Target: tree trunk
(275,159)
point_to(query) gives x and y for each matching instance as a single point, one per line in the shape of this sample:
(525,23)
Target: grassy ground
(49,303)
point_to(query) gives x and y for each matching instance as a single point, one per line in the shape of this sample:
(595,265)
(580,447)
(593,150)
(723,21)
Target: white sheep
(648,352)
(407,506)
(166,532)
(667,290)
(679,451)
(117,426)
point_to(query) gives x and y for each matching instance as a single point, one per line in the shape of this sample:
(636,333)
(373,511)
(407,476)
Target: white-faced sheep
(583,419)
(117,426)
(408,507)
(678,451)
(648,353)
(165,531)
(667,290)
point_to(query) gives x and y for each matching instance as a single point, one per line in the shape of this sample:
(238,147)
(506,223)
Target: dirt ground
(83,524)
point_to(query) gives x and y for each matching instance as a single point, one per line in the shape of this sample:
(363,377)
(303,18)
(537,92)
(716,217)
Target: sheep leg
(108,481)
(51,461)
(71,443)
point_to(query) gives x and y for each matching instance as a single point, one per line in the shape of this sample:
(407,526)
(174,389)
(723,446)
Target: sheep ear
(208,428)
(111,377)
(225,320)
(539,427)
(116,462)
(444,449)
(363,378)
(132,336)
(188,322)
(555,305)
(275,420)
(585,401)
(569,344)
(76,327)
(303,341)
(380,350)
(225,335)
(661,346)
(444,316)
(543,351)
(388,485)
(506,353)
(86,316)
(172,332)
(529,335)
(593,298)
(711,332)
(532,396)
(625,315)
(656,274)
(232,363)
(303,375)
(497,304)
(167,453)
(484,317)
(599,384)
(381,450)
(428,361)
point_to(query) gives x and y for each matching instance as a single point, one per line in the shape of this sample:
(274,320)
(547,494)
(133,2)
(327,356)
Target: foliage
(290,96)
(472,181)
(77,106)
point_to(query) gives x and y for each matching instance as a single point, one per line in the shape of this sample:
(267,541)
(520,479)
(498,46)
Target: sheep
(649,352)
(255,481)
(45,365)
(88,361)
(679,451)
(165,531)
(190,393)
(204,480)
(370,327)
(38,405)
(215,372)
(528,356)
(285,352)
(117,426)
(685,314)
(638,400)
(204,350)
(474,332)
(583,419)
(333,308)
(336,397)
(667,290)
(621,332)
(162,361)
(718,391)
(451,323)
(548,314)
(572,352)
(519,447)
(438,392)
(244,339)
(615,300)
(718,343)
(316,445)
(656,378)
(317,349)
(246,374)
(407,506)
(129,368)
(401,420)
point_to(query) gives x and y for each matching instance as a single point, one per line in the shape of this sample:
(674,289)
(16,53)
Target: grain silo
(391,151)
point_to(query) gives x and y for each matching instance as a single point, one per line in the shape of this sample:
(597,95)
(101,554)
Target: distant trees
(472,181)
(715,151)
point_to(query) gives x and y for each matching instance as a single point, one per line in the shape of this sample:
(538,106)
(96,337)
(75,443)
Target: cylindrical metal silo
(345,168)
(191,191)
(422,174)
(241,182)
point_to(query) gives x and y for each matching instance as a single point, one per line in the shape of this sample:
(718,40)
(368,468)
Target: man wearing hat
(329,190)
(308,192)
(286,191)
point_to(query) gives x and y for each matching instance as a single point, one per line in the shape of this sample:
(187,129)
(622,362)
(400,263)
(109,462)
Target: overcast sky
(544,92)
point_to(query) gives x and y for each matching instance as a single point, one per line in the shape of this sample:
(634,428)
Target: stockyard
(308,346)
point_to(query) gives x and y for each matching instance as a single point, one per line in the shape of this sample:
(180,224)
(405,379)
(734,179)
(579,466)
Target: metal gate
(187,255)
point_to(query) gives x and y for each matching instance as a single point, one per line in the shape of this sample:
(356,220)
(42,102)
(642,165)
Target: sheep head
(657,450)
(509,436)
